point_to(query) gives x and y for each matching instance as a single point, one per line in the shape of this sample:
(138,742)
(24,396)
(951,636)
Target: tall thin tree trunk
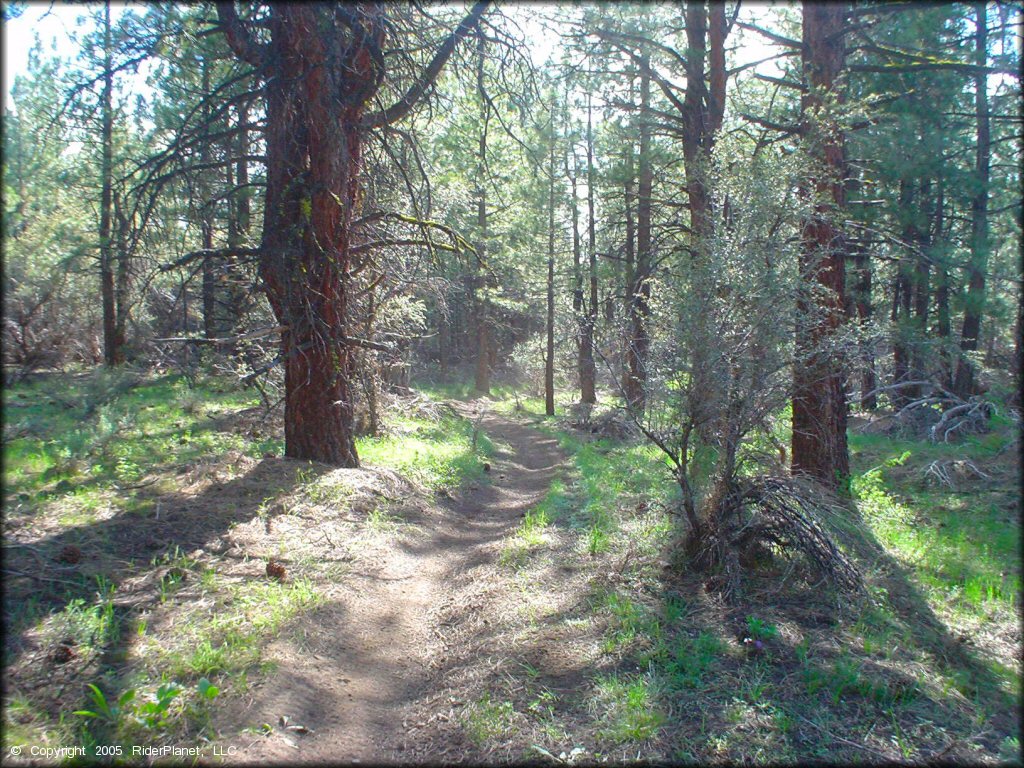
(640,286)
(549,357)
(484,341)
(113,354)
(629,200)
(862,306)
(974,305)
(903,299)
(922,295)
(588,369)
(819,446)
(237,180)
(121,277)
(577,273)
(211,328)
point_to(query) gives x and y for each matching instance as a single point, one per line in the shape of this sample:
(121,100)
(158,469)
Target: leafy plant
(154,714)
(103,710)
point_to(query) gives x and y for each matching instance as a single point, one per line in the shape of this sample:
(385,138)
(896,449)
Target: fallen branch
(959,417)
(209,253)
(258,333)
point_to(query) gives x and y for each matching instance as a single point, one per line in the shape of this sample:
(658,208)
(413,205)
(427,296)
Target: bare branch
(403,106)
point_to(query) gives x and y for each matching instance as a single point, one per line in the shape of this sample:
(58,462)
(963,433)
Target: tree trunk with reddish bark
(819,447)
(482,305)
(549,352)
(588,368)
(321,67)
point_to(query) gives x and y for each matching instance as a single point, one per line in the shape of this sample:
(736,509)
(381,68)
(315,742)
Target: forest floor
(492,586)
(370,672)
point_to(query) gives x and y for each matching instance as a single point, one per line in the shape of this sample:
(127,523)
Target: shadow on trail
(134,546)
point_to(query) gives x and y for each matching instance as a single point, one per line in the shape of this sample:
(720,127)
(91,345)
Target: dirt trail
(360,671)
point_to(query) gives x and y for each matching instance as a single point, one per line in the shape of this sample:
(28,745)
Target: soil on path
(357,679)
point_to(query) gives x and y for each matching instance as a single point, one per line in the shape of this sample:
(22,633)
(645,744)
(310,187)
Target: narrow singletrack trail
(361,671)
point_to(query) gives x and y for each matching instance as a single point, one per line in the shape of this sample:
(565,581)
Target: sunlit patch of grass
(690,659)
(962,551)
(488,719)
(26,724)
(627,707)
(532,533)
(381,521)
(229,640)
(436,455)
(108,429)
(627,620)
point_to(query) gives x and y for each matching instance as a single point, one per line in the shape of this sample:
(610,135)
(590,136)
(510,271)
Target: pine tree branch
(404,105)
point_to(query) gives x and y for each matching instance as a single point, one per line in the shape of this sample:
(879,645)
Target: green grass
(531,534)
(80,436)
(435,454)
(963,548)
(690,659)
(487,719)
(628,708)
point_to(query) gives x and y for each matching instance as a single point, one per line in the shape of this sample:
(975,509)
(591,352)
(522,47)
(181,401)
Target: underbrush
(925,666)
(142,512)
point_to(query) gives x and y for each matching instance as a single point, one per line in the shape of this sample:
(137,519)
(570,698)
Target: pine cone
(70,554)
(62,654)
(275,570)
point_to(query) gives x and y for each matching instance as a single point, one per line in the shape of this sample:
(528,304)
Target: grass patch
(628,709)
(228,642)
(437,455)
(488,719)
(76,436)
(532,533)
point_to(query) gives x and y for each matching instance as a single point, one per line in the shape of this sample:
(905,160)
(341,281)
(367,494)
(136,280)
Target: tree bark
(588,369)
(321,66)
(577,274)
(113,352)
(484,341)
(237,180)
(862,307)
(211,328)
(629,246)
(640,283)
(549,357)
(902,301)
(974,305)
(819,446)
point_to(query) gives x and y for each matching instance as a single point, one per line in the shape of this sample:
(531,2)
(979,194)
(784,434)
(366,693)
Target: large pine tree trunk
(819,446)
(321,66)
(313,145)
